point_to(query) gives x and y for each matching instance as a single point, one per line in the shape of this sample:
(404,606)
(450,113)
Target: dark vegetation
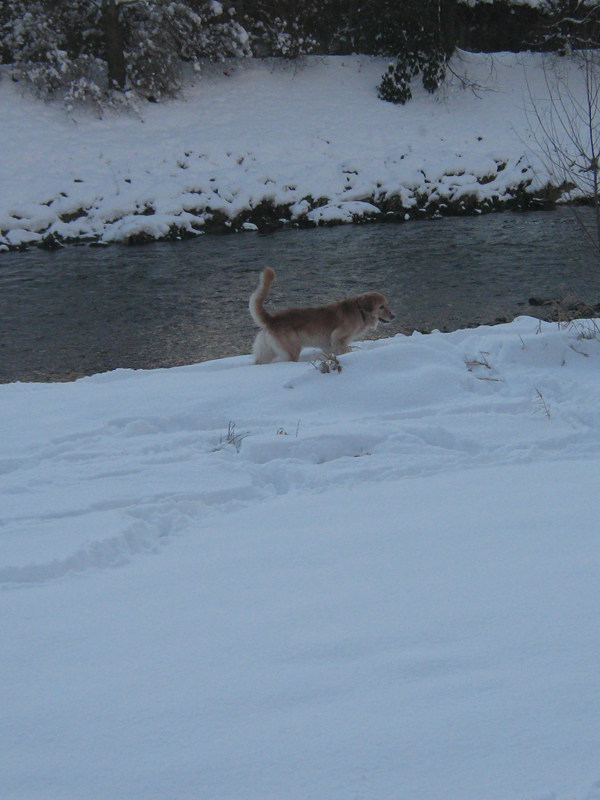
(109,51)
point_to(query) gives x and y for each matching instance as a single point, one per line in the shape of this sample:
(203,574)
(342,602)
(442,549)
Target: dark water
(83,310)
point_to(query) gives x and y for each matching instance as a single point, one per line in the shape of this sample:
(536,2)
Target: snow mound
(233,581)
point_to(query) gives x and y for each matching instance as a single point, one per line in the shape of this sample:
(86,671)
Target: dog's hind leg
(262,349)
(268,347)
(290,346)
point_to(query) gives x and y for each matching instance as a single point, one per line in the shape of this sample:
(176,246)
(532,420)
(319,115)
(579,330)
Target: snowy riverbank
(376,571)
(258,144)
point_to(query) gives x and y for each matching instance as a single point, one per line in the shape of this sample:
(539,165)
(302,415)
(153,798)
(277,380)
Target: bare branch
(565,126)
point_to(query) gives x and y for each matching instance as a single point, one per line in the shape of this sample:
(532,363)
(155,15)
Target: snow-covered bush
(430,64)
(87,49)
(283,28)
(53,47)
(568,25)
(158,36)
(416,33)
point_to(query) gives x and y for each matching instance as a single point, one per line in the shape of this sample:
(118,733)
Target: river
(81,310)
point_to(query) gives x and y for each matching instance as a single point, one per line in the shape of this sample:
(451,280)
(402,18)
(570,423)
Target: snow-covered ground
(256,140)
(229,582)
(383,583)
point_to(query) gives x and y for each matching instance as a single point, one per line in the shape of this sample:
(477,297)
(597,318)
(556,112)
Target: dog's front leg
(340,342)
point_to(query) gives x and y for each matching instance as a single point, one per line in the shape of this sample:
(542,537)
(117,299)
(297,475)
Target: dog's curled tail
(257,298)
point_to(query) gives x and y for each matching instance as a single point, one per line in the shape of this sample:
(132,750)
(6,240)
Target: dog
(331,327)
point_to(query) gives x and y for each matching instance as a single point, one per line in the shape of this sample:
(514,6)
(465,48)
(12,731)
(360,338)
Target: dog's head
(375,308)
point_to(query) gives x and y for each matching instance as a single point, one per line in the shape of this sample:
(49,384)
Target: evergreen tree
(569,25)
(285,28)
(53,46)
(89,48)
(423,47)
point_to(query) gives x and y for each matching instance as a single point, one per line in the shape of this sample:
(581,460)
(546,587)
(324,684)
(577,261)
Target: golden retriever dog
(331,327)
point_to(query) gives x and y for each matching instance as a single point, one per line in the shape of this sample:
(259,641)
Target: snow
(229,581)
(307,139)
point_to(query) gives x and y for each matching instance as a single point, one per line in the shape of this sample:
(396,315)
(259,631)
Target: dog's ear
(366,302)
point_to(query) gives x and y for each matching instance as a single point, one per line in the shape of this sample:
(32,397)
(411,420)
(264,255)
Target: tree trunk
(352,26)
(115,57)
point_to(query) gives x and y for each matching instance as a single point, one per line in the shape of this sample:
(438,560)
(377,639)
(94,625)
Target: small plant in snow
(586,329)
(327,362)
(475,362)
(283,432)
(542,407)
(233,437)
(572,314)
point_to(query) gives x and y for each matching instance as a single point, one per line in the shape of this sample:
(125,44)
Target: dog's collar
(362,313)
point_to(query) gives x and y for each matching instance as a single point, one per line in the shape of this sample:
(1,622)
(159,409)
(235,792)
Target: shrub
(84,50)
